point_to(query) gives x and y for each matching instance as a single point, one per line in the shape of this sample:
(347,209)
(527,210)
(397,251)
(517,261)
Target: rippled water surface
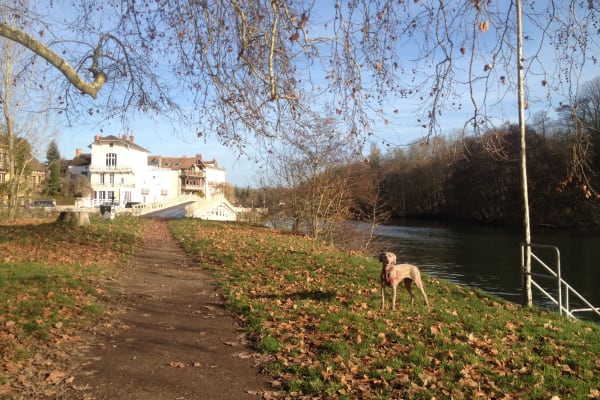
(489,258)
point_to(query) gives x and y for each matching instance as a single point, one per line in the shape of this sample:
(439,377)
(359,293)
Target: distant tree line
(320,184)
(477,179)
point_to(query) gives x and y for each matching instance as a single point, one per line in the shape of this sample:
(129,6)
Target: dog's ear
(392,258)
(381,255)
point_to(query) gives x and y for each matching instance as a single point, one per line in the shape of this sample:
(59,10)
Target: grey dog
(392,274)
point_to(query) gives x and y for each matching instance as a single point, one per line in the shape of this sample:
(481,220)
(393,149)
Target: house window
(2,177)
(102,178)
(111,178)
(111,160)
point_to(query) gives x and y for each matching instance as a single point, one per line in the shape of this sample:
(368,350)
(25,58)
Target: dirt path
(174,340)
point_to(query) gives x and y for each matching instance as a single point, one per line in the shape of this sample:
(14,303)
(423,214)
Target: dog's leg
(383,296)
(393,296)
(408,286)
(419,284)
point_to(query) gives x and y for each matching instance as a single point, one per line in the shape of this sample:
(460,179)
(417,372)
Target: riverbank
(489,257)
(316,311)
(313,312)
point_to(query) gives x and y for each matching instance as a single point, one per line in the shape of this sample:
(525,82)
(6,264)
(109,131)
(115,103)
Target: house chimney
(131,137)
(77,152)
(124,137)
(97,138)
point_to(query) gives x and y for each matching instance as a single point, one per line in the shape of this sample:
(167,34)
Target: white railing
(111,169)
(563,289)
(146,208)
(216,209)
(114,186)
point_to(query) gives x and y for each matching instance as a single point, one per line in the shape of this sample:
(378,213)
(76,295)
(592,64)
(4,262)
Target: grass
(316,310)
(51,279)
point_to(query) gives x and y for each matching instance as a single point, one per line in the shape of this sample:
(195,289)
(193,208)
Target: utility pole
(527,296)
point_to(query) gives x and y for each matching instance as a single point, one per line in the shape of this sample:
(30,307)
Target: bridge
(216,208)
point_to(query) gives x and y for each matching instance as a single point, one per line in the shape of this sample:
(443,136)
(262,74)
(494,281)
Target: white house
(121,171)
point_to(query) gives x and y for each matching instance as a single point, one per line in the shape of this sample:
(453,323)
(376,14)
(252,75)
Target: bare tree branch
(89,88)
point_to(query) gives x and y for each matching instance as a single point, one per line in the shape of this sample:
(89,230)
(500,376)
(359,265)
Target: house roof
(81,161)
(175,163)
(181,163)
(123,141)
(37,165)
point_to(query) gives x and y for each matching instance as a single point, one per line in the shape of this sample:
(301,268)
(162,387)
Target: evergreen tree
(53,164)
(52,154)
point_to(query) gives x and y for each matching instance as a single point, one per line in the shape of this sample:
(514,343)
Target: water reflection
(489,257)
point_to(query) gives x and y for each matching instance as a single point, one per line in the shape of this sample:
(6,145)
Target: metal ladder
(564,290)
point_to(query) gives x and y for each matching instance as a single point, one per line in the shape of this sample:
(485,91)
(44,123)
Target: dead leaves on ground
(317,312)
(50,281)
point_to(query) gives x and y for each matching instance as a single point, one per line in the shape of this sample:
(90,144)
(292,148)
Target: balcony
(108,185)
(198,174)
(192,187)
(115,170)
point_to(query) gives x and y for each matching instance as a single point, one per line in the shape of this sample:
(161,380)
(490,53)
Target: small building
(196,176)
(30,171)
(80,165)
(38,176)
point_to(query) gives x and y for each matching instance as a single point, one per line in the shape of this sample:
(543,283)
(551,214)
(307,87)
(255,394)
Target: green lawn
(52,278)
(316,311)
(313,309)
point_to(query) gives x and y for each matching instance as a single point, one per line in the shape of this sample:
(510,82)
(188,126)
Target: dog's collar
(388,277)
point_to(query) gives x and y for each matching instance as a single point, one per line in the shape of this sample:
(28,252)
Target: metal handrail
(563,297)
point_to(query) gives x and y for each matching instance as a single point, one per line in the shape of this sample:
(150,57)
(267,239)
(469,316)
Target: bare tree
(585,122)
(371,206)
(242,68)
(26,130)
(311,165)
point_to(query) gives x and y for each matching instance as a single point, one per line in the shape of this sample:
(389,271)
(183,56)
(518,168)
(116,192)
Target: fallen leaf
(5,389)
(55,377)
(178,364)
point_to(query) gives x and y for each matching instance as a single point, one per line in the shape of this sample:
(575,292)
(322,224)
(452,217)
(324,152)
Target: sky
(159,137)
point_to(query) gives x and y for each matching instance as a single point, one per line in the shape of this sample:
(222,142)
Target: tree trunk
(76,218)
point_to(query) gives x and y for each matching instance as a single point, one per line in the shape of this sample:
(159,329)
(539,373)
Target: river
(489,258)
